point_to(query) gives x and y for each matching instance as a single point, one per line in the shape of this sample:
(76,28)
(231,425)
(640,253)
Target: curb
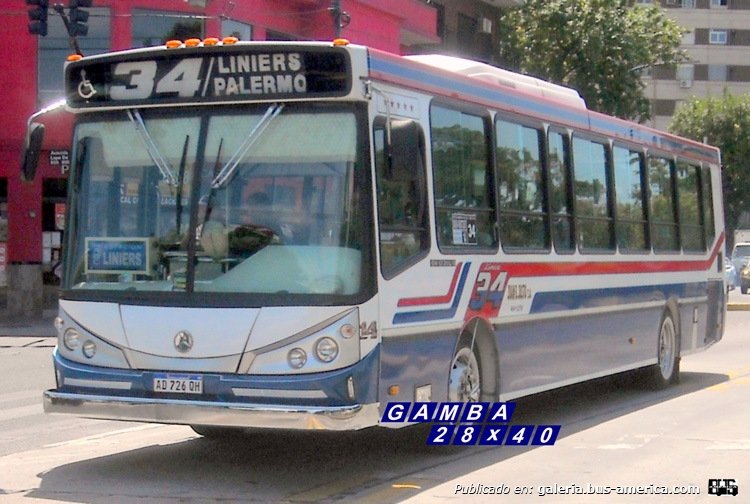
(738,306)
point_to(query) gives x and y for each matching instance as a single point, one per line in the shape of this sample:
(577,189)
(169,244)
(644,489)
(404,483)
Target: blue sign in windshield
(107,255)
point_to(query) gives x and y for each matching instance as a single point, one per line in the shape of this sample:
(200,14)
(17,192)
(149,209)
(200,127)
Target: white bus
(293,235)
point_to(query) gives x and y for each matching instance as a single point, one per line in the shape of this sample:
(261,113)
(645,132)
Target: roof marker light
(173,44)
(340,42)
(230,40)
(210,41)
(74,57)
(192,42)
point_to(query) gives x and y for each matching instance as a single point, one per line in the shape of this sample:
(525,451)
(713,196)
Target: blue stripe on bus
(430,315)
(613,296)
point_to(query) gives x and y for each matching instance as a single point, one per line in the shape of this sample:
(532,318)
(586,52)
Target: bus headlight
(71,339)
(296,358)
(326,349)
(89,349)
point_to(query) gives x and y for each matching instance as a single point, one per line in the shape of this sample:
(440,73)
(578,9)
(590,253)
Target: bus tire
(667,369)
(465,379)
(216,432)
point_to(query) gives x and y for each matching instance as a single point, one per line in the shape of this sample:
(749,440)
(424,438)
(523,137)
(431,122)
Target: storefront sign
(60,158)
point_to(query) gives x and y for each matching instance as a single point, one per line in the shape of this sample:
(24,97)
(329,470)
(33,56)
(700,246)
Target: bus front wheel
(465,382)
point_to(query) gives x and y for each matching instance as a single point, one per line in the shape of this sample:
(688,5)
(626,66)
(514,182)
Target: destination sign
(208,75)
(117,255)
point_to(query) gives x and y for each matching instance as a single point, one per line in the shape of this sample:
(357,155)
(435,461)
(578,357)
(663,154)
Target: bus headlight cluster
(71,339)
(79,345)
(332,344)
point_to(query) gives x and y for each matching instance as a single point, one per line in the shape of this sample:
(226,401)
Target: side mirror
(34,140)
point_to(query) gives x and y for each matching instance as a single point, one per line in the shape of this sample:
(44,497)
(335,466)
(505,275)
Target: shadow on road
(292,466)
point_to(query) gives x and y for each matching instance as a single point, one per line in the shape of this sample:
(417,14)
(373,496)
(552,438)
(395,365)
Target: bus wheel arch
(475,353)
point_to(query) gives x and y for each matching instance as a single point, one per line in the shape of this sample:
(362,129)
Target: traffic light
(38,17)
(78,17)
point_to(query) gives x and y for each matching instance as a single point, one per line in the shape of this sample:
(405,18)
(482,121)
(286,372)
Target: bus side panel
(716,313)
(415,361)
(693,325)
(539,355)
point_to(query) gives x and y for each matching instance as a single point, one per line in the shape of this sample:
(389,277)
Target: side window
(464,201)
(559,192)
(708,204)
(402,209)
(523,219)
(593,220)
(688,199)
(664,233)
(632,226)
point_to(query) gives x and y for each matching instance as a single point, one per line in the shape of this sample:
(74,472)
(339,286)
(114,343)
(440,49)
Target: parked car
(731,275)
(745,279)
(740,255)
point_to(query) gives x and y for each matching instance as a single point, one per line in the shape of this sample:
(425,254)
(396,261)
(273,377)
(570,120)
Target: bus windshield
(260,200)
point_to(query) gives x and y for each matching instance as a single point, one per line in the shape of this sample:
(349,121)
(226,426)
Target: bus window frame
(543,145)
(698,167)
(486,116)
(609,184)
(672,159)
(567,135)
(641,151)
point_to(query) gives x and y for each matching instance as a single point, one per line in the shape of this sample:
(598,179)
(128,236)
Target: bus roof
(502,90)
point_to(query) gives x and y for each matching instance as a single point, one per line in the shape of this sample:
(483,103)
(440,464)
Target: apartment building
(718,45)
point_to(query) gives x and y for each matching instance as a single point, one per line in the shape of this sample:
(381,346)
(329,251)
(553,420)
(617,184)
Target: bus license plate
(178,384)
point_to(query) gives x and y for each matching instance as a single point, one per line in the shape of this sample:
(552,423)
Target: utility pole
(341,19)
(336,13)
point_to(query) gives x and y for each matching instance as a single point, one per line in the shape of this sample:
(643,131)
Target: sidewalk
(40,327)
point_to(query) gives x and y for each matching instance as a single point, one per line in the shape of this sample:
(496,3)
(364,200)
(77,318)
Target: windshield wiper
(228,169)
(153,151)
(180,181)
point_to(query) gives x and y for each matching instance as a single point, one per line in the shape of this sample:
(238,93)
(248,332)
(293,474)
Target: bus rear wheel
(465,382)
(667,369)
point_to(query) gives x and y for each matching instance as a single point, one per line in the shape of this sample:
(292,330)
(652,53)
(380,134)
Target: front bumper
(314,401)
(188,412)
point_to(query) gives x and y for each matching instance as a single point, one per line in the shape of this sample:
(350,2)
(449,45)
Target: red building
(31,223)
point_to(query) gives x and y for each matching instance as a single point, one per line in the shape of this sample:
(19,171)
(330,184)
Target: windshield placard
(117,255)
(188,76)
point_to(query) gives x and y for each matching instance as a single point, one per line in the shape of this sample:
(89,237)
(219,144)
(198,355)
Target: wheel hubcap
(464,383)
(667,348)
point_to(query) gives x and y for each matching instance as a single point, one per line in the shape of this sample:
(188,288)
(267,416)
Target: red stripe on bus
(445,298)
(610,268)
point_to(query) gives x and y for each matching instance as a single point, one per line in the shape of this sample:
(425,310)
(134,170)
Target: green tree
(724,122)
(597,47)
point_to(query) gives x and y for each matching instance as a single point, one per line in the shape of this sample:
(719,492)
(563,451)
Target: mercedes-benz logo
(183,341)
